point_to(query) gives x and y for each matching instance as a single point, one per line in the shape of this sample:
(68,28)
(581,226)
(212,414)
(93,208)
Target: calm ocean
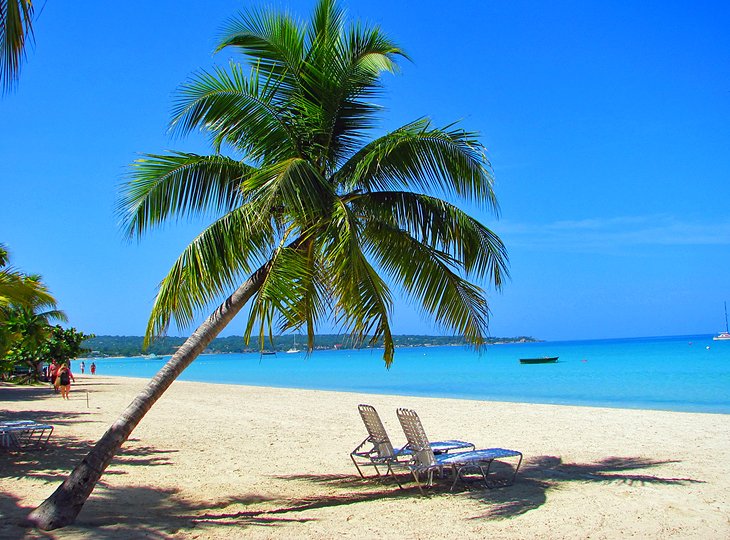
(688,373)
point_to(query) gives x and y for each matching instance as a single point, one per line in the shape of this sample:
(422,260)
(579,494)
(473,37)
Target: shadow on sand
(146,511)
(536,478)
(107,515)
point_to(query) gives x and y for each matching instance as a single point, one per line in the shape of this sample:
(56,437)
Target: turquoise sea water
(688,373)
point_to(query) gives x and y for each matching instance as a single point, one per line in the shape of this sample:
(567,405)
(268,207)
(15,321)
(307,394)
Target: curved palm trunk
(62,507)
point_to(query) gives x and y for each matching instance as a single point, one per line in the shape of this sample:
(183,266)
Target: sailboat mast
(726,329)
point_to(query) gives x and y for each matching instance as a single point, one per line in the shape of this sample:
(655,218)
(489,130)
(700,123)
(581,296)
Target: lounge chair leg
(486,474)
(511,481)
(392,473)
(415,477)
(514,476)
(357,466)
(457,473)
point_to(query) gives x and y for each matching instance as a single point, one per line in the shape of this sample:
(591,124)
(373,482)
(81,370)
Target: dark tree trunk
(62,507)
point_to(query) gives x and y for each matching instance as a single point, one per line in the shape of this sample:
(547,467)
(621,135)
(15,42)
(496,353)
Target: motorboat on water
(723,336)
(541,360)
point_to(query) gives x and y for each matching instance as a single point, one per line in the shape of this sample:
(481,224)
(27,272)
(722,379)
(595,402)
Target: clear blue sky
(608,125)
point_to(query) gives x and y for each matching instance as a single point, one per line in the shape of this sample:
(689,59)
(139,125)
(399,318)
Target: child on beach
(63,380)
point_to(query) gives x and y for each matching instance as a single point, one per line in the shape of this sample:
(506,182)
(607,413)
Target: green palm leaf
(245,112)
(420,157)
(438,223)
(430,276)
(362,299)
(273,40)
(178,185)
(16,31)
(212,264)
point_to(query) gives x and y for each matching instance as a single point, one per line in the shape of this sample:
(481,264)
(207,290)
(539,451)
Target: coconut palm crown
(334,217)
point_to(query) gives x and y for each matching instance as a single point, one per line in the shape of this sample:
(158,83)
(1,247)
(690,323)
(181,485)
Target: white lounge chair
(424,461)
(377,450)
(24,434)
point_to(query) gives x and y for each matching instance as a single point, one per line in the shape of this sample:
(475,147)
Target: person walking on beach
(83,367)
(64,379)
(52,374)
(93,368)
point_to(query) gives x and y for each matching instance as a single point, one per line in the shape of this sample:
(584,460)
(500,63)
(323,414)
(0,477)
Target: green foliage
(104,346)
(57,343)
(332,218)
(16,31)
(65,344)
(20,290)
(27,339)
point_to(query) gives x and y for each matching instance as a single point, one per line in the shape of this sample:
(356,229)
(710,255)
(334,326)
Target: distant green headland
(101,346)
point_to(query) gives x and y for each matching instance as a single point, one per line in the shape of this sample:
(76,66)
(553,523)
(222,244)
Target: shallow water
(669,373)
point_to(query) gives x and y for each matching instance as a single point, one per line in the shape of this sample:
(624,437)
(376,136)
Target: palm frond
(53,315)
(430,277)
(295,186)
(16,32)
(362,299)
(179,184)
(325,27)
(439,224)
(212,264)
(243,111)
(420,157)
(288,297)
(21,290)
(274,41)
(349,85)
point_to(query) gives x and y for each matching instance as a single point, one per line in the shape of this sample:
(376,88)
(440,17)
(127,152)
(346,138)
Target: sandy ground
(219,461)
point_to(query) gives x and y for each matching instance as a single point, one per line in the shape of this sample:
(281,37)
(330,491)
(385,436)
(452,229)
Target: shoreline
(599,405)
(210,460)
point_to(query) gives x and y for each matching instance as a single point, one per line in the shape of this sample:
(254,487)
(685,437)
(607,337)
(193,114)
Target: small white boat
(723,336)
(293,349)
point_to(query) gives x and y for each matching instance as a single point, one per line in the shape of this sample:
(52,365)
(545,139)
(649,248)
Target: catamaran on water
(722,336)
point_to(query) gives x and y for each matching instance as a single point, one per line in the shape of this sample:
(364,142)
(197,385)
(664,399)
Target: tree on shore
(310,216)
(16,31)
(21,297)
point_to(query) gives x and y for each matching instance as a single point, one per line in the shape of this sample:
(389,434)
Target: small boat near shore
(294,349)
(541,360)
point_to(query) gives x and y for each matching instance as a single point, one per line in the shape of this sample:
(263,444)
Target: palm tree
(26,331)
(22,299)
(16,30)
(311,218)
(18,289)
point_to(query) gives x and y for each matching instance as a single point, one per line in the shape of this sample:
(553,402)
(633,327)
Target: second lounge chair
(424,460)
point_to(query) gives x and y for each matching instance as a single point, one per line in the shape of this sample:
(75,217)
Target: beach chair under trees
(377,450)
(24,434)
(423,461)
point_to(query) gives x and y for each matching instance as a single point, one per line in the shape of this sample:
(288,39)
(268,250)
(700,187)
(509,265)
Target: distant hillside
(132,345)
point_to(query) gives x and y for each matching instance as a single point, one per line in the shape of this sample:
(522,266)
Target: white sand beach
(220,461)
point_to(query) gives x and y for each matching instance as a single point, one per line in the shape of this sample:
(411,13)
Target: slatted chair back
(376,432)
(423,456)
